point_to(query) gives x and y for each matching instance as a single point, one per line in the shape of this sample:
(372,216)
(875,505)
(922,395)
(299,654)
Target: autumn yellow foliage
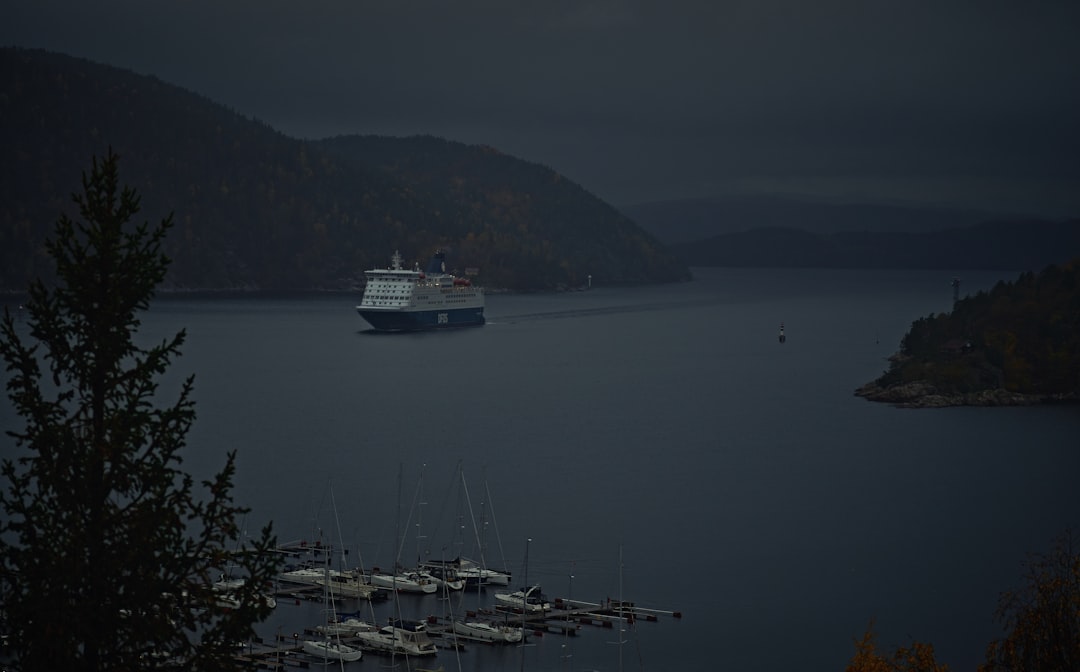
(1042,619)
(918,657)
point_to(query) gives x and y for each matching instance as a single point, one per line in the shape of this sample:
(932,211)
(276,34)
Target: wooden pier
(279,657)
(566,618)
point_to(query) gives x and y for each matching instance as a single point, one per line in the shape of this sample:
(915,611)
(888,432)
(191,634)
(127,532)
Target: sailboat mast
(524,601)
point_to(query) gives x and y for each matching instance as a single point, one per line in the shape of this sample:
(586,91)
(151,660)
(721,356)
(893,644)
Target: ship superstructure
(399,299)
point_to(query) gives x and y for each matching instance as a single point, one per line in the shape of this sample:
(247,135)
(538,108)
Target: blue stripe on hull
(423,320)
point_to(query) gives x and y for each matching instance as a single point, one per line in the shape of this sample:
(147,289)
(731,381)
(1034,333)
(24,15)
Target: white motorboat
(443,576)
(406,582)
(530,600)
(330,649)
(470,571)
(227,595)
(313,576)
(398,637)
(345,626)
(485,577)
(349,586)
(488,632)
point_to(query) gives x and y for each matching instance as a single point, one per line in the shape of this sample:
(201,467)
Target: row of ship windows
(368,302)
(421,297)
(399,287)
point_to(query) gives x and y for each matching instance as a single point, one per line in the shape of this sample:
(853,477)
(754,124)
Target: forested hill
(521,219)
(255,209)
(1018,343)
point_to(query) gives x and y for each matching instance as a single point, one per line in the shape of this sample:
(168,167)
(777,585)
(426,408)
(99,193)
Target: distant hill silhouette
(1012,246)
(255,209)
(763,231)
(685,220)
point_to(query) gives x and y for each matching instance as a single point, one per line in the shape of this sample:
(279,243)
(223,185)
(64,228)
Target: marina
(411,625)
(567,618)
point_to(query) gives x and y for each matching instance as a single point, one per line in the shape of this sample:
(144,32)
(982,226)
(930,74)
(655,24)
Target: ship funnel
(437,264)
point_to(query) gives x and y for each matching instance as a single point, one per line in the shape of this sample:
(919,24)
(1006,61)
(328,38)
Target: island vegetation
(1018,343)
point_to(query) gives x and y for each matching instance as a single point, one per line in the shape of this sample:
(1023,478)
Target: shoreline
(923,394)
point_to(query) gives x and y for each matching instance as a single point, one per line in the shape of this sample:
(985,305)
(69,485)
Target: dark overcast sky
(974,102)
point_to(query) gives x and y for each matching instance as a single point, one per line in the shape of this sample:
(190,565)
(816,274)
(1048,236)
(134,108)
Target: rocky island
(1016,345)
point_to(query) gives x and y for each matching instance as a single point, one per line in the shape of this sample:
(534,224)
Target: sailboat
(530,600)
(473,627)
(400,637)
(227,591)
(488,631)
(330,647)
(471,572)
(350,585)
(468,571)
(405,581)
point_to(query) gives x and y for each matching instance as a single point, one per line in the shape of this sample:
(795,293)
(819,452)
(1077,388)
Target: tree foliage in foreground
(1041,622)
(918,657)
(1041,619)
(108,555)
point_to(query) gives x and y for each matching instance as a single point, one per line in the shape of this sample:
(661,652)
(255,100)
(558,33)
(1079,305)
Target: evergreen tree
(108,554)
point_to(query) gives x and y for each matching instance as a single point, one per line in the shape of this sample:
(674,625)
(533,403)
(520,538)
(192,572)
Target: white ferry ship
(398,299)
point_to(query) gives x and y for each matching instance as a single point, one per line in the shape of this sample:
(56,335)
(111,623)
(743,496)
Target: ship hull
(423,320)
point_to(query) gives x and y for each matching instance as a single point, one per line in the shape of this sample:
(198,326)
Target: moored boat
(530,600)
(443,576)
(312,576)
(228,592)
(471,571)
(399,299)
(350,586)
(406,582)
(398,637)
(329,649)
(343,626)
(488,632)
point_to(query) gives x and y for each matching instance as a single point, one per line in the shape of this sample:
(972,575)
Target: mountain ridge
(685,220)
(257,210)
(1001,245)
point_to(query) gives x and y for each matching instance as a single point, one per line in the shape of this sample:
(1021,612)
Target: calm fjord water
(743,482)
